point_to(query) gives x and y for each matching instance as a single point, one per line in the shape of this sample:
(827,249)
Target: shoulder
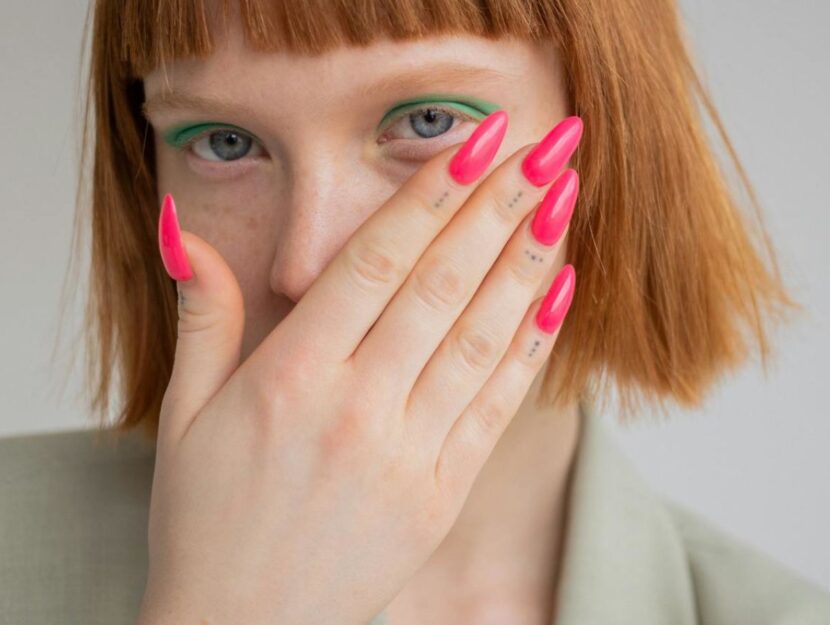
(77,475)
(56,470)
(736,582)
(636,555)
(73,524)
(97,445)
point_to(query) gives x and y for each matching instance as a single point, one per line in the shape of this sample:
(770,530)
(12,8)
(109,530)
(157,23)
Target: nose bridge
(316,218)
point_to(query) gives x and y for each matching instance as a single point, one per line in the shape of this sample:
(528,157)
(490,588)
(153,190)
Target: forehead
(454,59)
(281,87)
(234,57)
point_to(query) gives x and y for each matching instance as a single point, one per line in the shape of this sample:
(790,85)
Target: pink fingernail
(480,148)
(557,301)
(170,242)
(543,162)
(556,208)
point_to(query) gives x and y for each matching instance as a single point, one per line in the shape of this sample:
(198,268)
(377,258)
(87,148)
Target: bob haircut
(672,288)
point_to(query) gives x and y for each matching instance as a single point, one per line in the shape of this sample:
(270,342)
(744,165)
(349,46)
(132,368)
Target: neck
(500,561)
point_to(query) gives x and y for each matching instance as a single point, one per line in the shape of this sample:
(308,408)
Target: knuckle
(525,272)
(195,320)
(491,413)
(477,349)
(528,359)
(504,208)
(267,406)
(280,393)
(370,264)
(431,202)
(439,285)
(344,434)
(291,372)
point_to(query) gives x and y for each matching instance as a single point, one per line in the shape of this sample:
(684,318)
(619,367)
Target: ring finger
(483,333)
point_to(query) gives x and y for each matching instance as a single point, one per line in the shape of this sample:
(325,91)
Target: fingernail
(170,242)
(557,301)
(556,208)
(480,148)
(543,162)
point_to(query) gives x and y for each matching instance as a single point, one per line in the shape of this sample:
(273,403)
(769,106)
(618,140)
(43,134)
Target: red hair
(675,282)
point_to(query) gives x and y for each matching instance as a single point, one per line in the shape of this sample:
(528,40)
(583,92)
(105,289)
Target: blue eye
(216,142)
(427,122)
(221,145)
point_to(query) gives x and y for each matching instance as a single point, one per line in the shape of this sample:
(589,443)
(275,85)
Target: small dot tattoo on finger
(440,200)
(514,200)
(536,344)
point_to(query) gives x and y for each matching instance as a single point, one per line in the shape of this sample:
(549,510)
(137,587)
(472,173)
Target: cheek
(237,218)
(244,237)
(241,231)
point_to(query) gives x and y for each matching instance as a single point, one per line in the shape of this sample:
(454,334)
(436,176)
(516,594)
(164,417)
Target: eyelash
(435,107)
(209,131)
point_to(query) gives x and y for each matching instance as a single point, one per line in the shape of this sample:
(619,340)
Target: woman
(349,186)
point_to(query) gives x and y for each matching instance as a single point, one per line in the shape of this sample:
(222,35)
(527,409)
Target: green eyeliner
(180,134)
(475,107)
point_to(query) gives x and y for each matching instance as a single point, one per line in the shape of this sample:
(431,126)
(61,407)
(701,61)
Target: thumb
(211,321)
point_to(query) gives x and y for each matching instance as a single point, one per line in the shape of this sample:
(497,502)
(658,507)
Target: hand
(308,483)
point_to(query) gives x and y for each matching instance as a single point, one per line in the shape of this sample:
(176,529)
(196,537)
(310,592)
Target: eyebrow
(425,77)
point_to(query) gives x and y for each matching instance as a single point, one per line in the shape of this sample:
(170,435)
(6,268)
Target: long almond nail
(543,162)
(480,148)
(173,253)
(557,206)
(557,301)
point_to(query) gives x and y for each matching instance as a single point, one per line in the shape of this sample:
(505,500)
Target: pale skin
(267,229)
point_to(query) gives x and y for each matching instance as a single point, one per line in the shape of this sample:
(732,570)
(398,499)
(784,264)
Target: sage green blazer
(73,519)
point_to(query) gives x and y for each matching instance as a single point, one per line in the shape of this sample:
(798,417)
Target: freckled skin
(280,218)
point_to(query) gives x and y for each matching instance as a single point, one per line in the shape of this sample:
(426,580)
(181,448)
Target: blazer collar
(623,561)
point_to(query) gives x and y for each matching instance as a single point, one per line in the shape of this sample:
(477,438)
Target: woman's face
(301,150)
